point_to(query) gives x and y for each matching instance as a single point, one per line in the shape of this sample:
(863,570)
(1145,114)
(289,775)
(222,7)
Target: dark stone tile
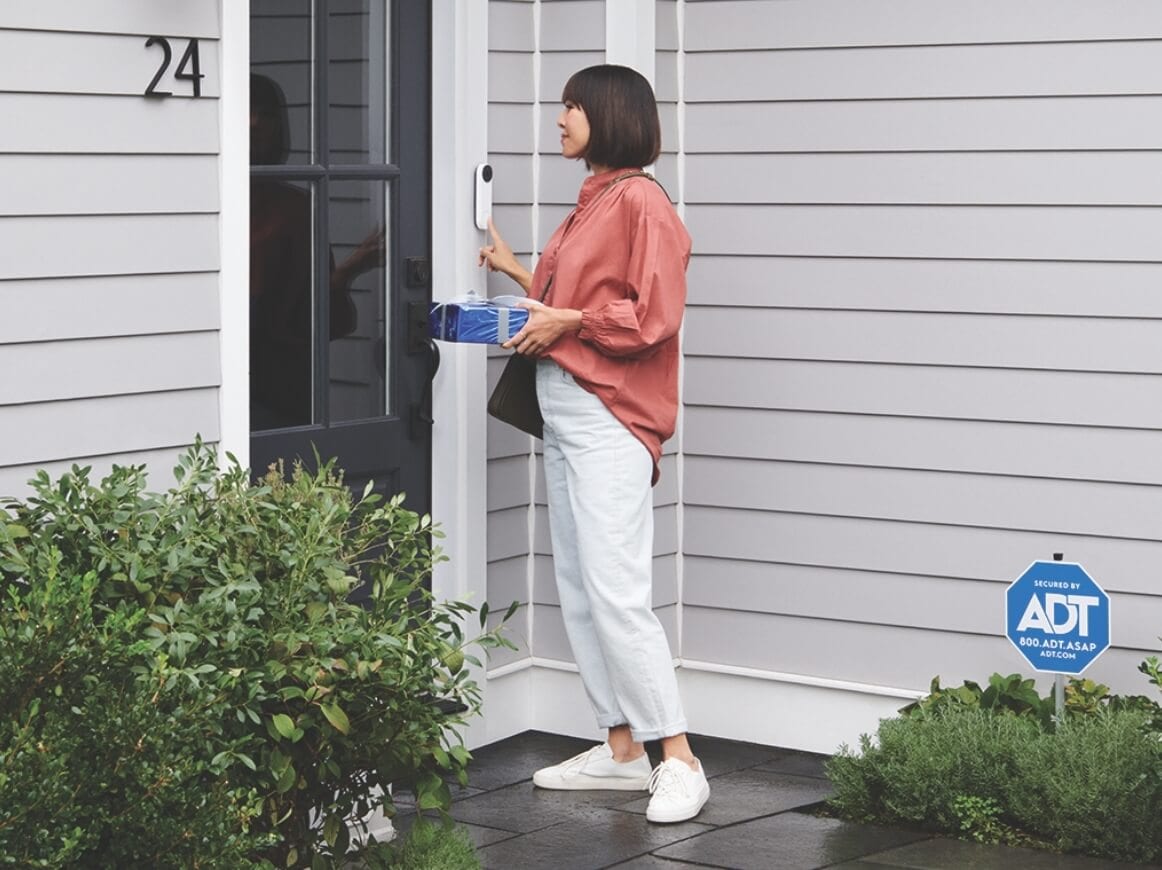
(782,842)
(750,794)
(652,862)
(515,759)
(944,854)
(799,764)
(523,808)
(600,838)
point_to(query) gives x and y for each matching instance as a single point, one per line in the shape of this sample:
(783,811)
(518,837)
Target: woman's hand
(500,258)
(544,326)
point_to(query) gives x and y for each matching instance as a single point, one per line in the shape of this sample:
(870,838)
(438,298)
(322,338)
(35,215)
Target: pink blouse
(620,258)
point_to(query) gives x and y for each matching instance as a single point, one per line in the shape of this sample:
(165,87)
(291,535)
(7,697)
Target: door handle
(421,411)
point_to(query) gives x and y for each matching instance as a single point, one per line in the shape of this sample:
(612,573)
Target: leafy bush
(1017,696)
(1094,785)
(192,661)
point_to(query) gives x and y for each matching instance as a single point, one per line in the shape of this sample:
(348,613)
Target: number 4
(190,59)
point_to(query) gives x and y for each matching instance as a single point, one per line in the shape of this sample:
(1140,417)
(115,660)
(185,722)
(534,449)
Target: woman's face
(574,130)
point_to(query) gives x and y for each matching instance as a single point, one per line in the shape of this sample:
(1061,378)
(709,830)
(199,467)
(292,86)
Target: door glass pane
(358,213)
(281,82)
(282,234)
(357,92)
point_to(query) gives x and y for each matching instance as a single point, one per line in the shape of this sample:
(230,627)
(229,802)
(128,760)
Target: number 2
(189,67)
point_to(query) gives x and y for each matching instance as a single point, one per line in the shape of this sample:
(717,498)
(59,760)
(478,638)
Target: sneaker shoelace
(577,762)
(666,781)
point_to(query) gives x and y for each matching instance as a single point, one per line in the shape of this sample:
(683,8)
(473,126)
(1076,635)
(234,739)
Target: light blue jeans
(602,523)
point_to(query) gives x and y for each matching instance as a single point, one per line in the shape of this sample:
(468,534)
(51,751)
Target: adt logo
(1057,617)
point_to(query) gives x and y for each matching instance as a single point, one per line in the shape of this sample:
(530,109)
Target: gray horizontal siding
(65,308)
(921,347)
(1066,398)
(949,604)
(162,17)
(967,286)
(959,178)
(108,245)
(54,370)
(1026,70)
(56,184)
(988,232)
(44,432)
(1066,507)
(1079,453)
(1112,122)
(81,124)
(111,238)
(922,338)
(744,24)
(925,549)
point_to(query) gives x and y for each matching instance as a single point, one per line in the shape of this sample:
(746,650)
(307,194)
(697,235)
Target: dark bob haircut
(624,131)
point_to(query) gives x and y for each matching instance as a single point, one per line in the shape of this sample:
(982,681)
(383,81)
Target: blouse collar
(595,184)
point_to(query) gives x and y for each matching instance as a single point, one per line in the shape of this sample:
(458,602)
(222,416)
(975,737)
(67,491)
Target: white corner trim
(630,36)
(234,230)
(459,142)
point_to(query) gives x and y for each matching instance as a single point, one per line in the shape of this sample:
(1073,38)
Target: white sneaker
(596,769)
(679,792)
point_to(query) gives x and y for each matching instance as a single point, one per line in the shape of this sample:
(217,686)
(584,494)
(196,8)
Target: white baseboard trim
(790,711)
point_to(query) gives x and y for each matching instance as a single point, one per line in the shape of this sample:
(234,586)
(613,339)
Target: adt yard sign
(1058,617)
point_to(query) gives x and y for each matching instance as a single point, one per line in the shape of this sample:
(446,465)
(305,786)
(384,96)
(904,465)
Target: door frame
(459,117)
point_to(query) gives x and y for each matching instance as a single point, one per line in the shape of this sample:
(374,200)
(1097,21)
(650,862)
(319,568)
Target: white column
(234,229)
(459,457)
(629,35)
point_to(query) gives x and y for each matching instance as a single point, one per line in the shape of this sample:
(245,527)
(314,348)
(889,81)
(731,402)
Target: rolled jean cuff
(610,720)
(671,730)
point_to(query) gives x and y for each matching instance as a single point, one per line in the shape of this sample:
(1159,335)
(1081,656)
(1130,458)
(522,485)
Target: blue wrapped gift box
(479,321)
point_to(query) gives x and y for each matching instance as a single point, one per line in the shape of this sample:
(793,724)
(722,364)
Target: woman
(613,283)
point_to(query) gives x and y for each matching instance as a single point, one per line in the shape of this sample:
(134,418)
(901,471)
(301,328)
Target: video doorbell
(483,195)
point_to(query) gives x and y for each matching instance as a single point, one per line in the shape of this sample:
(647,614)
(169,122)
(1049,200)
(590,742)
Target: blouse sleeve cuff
(590,325)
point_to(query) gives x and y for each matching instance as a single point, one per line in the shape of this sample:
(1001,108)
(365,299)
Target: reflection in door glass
(357,94)
(281,39)
(281,303)
(357,215)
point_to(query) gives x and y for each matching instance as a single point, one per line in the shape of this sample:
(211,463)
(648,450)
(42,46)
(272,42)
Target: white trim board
(790,713)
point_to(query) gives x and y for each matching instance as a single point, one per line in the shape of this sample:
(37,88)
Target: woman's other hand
(544,326)
(500,258)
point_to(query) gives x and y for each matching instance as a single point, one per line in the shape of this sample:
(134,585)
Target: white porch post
(459,458)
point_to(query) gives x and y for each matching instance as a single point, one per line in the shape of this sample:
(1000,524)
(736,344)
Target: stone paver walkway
(760,817)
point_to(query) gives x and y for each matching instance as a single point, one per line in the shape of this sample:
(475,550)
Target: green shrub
(226,683)
(918,768)
(1093,785)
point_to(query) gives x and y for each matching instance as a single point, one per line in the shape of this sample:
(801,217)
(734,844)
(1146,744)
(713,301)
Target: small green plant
(978,818)
(195,661)
(426,846)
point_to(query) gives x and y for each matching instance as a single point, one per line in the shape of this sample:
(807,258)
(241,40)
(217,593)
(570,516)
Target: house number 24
(189,67)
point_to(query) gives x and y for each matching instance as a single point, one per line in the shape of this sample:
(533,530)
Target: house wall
(109,227)
(922,345)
